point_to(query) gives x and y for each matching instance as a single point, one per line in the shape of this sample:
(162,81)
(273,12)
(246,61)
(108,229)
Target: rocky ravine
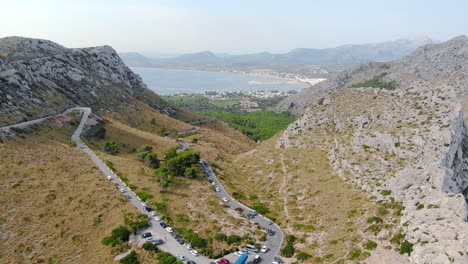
(409,144)
(40,78)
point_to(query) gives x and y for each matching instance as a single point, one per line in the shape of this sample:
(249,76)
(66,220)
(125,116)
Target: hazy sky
(230,26)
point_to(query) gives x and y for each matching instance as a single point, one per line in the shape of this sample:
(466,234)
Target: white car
(109,177)
(194,252)
(153,213)
(180,257)
(149,239)
(143,204)
(225,199)
(217,189)
(214,183)
(157,218)
(238,253)
(169,229)
(122,190)
(188,246)
(264,249)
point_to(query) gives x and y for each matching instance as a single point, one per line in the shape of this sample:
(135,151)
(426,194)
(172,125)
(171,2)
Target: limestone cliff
(40,77)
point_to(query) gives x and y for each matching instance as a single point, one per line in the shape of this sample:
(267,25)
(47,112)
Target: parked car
(174,235)
(181,241)
(149,239)
(122,190)
(225,199)
(149,209)
(143,204)
(157,218)
(240,209)
(153,213)
(169,229)
(163,225)
(157,241)
(194,252)
(270,222)
(180,257)
(191,262)
(238,253)
(213,183)
(109,177)
(278,260)
(217,189)
(256,259)
(128,196)
(145,235)
(264,249)
(188,246)
(222,261)
(270,232)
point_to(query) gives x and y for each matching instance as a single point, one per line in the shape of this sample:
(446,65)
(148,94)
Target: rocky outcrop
(40,78)
(407,145)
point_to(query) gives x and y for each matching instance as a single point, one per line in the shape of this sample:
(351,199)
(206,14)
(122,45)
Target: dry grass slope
(56,206)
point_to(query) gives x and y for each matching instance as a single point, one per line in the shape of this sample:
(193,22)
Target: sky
(241,26)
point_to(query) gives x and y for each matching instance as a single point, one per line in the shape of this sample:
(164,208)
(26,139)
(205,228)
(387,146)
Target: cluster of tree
(258,125)
(182,164)
(110,147)
(131,258)
(150,158)
(377,82)
(119,236)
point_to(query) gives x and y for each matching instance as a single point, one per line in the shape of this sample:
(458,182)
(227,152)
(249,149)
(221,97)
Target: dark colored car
(278,259)
(191,262)
(181,241)
(271,232)
(174,235)
(149,209)
(164,225)
(223,261)
(145,235)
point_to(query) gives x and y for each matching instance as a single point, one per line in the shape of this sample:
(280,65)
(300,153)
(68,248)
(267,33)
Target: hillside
(394,132)
(40,78)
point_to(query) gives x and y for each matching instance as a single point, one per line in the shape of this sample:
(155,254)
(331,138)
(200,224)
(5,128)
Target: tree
(111,147)
(170,153)
(152,160)
(148,246)
(121,233)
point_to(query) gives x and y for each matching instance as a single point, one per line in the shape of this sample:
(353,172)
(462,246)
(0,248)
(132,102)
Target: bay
(175,81)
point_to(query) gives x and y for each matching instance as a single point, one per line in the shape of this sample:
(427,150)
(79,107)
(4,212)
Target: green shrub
(131,258)
(355,253)
(288,250)
(377,82)
(406,247)
(110,147)
(119,235)
(220,237)
(72,143)
(386,192)
(261,208)
(144,196)
(148,246)
(370,245)
(233,239)
(303,256)
(136,222)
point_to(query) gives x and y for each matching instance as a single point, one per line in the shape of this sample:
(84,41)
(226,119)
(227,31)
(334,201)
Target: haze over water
(172,81)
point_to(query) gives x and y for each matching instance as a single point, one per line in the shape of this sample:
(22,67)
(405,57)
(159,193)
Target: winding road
(171,245)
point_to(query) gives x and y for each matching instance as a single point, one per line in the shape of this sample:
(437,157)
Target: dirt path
(284,192)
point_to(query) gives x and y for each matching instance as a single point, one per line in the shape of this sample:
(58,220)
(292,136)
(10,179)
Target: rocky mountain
(338,57)
(40,77)
(432,63)
(397,132)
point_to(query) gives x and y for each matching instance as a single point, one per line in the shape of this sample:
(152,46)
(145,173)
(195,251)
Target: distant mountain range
(339,57)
